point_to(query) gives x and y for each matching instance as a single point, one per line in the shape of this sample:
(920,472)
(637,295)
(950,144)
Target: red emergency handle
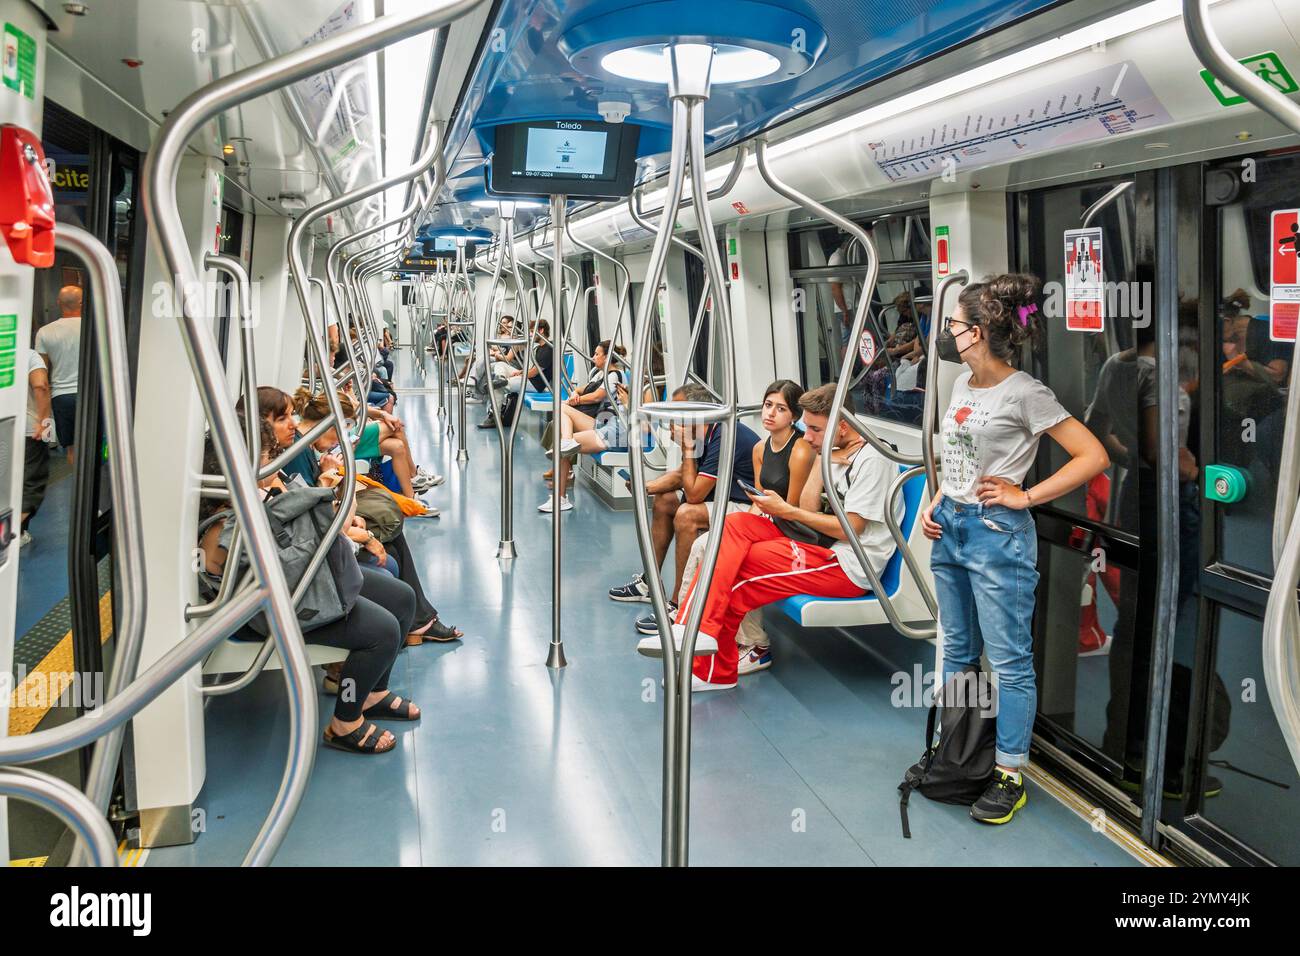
(26,202)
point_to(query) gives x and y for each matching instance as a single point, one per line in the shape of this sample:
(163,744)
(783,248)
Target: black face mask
(947,346)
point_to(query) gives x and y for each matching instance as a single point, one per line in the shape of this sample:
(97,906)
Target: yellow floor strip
(30,861)
(1090,815)
(51,677)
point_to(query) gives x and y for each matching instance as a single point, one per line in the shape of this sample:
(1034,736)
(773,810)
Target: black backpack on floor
(960,765)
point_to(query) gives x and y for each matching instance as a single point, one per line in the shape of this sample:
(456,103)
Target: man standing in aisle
(59,344)
(36,460)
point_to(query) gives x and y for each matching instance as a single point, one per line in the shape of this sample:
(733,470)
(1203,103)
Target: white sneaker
(433,480)
(567,445)
(698,685)
(24,540)
(754,658)
(545,506)
(651,646)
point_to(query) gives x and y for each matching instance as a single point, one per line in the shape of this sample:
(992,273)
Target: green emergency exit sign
(8,348)
(1267,66)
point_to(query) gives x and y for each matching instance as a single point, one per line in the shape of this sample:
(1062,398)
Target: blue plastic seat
(809,610)
(542,401)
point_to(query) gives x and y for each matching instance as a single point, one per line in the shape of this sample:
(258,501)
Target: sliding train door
(1107,655)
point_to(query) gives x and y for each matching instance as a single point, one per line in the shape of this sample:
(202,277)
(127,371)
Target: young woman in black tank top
(782,463)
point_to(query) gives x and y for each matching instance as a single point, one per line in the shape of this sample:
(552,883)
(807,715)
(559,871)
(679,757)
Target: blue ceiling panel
(524,69)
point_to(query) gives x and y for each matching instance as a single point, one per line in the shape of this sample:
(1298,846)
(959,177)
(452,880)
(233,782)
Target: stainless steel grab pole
(723,329)
(470,323)
(838,411)
(131,594)
(930,401)
(72,807)
(248,370)
(653,578)
(555,653)
(162,214)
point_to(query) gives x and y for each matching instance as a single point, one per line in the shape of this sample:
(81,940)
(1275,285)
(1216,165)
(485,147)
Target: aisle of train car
(517,764)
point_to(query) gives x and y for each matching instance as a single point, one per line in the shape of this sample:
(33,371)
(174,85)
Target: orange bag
(410,507)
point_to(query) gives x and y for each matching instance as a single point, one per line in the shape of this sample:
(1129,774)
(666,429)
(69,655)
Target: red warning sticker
(1284,276)
(1085,297)
(740,207)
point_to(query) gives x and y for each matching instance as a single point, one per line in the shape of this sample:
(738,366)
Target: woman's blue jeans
(985,574)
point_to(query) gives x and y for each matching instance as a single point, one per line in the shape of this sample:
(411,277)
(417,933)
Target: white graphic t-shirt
(994,431)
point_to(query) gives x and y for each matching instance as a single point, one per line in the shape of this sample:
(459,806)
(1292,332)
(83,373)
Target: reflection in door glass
(1254,370)
(1250,786)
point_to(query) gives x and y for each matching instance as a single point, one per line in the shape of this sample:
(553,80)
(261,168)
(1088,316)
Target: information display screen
(585,158)
(443,244)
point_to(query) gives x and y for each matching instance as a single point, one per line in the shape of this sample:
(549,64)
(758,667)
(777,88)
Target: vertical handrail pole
(462,377)
(131,597)
(248,368)
(930,401)
(559,210)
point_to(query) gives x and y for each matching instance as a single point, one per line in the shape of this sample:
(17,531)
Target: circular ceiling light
(518,203)
(753,41)
(731,63)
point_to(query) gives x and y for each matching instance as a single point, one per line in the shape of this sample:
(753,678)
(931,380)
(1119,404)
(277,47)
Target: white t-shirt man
(863,483)
(994,432)
(34,364)
(61,341)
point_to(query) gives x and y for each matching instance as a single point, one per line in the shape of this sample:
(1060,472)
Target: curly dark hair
(995,305)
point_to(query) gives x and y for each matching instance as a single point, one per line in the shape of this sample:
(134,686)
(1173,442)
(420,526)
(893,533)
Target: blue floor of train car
(517,764)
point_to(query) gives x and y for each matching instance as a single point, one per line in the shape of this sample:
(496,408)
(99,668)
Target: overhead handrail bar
(838,412)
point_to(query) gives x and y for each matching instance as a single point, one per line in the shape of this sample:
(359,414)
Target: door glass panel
(1255,787)
(1105,379)
(1253,372)
(1093,662)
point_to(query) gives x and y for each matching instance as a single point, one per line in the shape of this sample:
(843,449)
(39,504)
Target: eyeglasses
(948,323)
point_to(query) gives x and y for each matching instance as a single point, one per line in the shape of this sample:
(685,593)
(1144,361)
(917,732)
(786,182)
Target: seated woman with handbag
(362,610)
(375,506)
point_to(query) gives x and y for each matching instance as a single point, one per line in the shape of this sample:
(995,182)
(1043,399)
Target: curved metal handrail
(131,595)
(838,410)
(77,812)
(248,368)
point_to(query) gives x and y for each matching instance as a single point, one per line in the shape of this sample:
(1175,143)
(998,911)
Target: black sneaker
(648,624)
(488,422)
(635,591)
(1001,799)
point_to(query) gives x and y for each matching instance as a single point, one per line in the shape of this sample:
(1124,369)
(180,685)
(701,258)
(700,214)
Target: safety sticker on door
(19,61)
(1085,292)
(1284,277)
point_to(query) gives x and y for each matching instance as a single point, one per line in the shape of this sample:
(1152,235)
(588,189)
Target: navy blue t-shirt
(744,459)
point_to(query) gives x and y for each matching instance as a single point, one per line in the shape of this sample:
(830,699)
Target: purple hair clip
(1025,311)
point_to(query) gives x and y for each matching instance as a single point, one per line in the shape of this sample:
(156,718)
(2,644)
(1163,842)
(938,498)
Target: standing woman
(985,554)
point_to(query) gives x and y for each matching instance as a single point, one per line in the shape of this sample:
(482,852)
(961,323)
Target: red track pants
(758,565)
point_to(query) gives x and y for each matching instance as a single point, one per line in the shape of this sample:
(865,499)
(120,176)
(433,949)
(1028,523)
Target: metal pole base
(506,550)
(555,657)
(462,454)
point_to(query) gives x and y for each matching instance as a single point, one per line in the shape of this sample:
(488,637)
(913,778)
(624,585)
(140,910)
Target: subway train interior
(983,313)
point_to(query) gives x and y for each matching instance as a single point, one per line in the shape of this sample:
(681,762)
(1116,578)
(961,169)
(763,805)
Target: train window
(829,270)
(1253,370)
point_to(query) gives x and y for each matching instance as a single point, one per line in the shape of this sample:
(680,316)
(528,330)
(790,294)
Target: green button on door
(1225,484)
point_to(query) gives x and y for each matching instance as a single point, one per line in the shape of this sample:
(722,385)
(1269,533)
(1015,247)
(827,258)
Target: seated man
(537,375)
(683,496)
(758,565)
